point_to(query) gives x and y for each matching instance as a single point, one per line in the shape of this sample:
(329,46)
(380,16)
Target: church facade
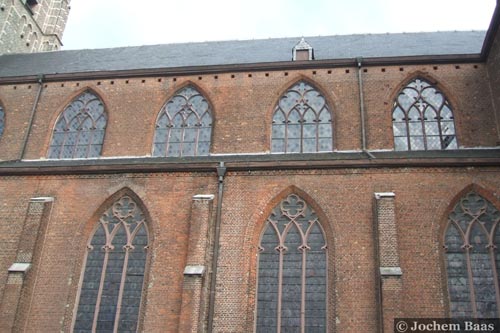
(325,184)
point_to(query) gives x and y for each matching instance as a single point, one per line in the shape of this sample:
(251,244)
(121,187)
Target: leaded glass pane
(472,262)
(277,146)
(301,118)
(91,280)
(450,142)
(400,143)
(79,127)
(432,128)
(309,146)
(433,142)
(267,291)
(315,296)
(415,128)
(186,120)
(482,273)
(458,283)
(293,146)
(417,143)
(422,111)
(293,251)
(116,257)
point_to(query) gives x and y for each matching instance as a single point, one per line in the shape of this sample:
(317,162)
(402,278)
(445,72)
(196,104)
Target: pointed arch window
(422,118)
(292,271)
(471,243)
(302,121)
(79,130)
(184,125)
(113,278)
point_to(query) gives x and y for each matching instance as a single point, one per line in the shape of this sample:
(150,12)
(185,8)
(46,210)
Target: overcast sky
(112,23)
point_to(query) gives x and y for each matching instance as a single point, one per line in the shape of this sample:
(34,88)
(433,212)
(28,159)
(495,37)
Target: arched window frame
(422,118)
(471,241)
(80,129)
(184,125)
(302,121)
(287,218)
(116,209)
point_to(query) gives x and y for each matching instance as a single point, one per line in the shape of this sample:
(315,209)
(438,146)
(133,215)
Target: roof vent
(303,51)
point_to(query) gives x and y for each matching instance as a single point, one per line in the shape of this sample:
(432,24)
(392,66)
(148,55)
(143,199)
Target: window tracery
(302,121)
(292,271)
(79,130)
(184,125)
(113,278)
(422,118)
(472,259)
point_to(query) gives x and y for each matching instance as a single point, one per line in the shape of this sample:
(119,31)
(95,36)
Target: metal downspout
(362,109)
(32,116)
(221,172)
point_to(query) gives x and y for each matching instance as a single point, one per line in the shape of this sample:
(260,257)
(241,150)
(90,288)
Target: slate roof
(186,55)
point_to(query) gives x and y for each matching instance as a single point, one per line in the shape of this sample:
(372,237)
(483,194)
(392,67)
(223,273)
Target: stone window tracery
(292,270)
(302,121)
(422,118)
(184,125)
(113,278)
(472,258)
(79,130)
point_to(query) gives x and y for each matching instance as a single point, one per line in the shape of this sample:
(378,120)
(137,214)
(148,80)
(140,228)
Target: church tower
(32,25)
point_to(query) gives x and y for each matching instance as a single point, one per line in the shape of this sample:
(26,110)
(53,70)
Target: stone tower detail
(32,25)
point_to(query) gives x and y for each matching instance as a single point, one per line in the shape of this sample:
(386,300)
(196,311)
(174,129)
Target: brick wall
(421,205)
(243,107)
(246,101)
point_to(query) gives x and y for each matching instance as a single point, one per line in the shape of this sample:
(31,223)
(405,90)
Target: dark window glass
(302,121)
(2,120)
(422,119)
(113,279)
(291,292)
(471,245)
(184,125)
(79,130)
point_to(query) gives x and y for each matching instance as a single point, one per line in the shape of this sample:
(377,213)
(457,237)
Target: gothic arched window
(184,125)
(113,277)
(292,271)
(471,243)
(79,130)
(302,121)
(422,119)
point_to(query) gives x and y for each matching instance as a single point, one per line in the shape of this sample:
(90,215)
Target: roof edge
(235,68)
(491,33)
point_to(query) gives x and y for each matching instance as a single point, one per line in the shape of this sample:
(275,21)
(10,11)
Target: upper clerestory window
(302,121)
(422,118)
(79,130)
(184,125)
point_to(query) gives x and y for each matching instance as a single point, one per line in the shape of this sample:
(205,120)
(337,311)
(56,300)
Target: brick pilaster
(195,285)
(388,258)
(15,301)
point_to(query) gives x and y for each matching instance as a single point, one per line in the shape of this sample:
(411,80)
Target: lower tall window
(472,241)
(113,277)
(292,273)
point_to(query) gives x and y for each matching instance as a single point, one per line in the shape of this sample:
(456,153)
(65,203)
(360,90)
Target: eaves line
(235,68)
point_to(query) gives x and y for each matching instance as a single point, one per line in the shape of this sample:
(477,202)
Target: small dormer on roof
(303,51)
